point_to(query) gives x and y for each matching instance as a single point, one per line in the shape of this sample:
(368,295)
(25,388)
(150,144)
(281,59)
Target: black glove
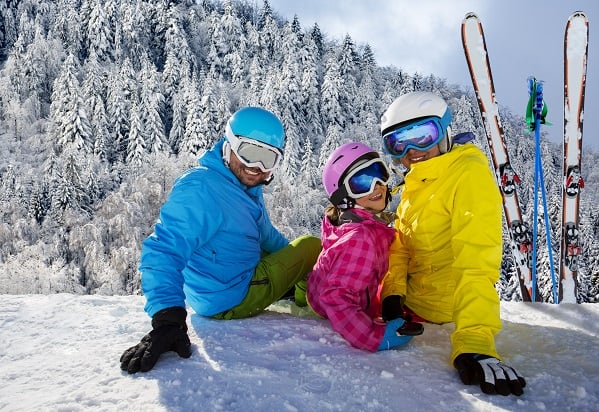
(169,333)
(393,309)
(493,375)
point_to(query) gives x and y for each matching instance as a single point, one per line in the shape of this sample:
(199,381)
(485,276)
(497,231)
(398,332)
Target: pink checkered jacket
(344,284)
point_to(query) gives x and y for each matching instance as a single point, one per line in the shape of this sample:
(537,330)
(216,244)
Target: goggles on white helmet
(420,135)
(362,180)
(253,153)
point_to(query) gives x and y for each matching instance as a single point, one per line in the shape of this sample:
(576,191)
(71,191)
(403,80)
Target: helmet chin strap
(269,179)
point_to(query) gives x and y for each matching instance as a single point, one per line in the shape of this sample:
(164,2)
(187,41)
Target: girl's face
(375,200)
(417,156)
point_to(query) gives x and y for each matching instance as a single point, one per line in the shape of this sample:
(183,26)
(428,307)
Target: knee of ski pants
(292,263)
(276,274)
(308,248)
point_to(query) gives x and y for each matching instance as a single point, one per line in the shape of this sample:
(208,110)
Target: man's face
(249,176)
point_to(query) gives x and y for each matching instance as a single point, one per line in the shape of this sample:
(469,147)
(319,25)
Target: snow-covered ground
(60,353)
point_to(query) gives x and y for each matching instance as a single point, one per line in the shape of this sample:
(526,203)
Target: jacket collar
(439,166)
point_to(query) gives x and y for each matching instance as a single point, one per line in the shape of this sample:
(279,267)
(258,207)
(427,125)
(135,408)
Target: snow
(60,353)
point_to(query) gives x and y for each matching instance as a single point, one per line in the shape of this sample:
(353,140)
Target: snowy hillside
(60,352)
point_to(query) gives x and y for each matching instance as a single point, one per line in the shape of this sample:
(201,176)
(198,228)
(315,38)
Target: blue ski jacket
(207,241)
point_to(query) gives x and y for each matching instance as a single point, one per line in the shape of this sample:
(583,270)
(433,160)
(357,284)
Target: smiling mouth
(416,159)
(375,197)
(252,172)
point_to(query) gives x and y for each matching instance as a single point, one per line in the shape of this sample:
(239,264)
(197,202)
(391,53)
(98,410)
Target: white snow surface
(61,353)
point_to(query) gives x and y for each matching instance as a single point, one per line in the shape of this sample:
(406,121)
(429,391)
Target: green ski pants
(275,274)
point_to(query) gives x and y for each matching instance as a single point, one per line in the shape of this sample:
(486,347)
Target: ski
(475,49)
(575,65)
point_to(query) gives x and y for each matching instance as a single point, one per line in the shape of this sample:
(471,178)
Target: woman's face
(417,156)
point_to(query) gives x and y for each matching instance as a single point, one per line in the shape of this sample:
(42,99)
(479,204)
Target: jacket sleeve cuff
(175,316)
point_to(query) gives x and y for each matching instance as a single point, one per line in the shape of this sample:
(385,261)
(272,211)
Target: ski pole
(535,210)
(540,111)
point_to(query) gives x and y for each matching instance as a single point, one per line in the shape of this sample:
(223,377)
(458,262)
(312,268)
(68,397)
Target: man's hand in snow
(490,373)
(169,334)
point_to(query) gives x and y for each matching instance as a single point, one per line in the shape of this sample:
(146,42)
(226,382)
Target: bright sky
(524,38)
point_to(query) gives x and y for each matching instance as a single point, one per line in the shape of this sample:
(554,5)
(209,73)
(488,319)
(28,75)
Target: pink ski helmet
(338,164)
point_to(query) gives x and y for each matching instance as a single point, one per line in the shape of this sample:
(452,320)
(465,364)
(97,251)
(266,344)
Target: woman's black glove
(493,375)
(393,307)
(169,333)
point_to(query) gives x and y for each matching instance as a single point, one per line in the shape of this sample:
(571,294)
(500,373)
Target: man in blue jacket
(213,246)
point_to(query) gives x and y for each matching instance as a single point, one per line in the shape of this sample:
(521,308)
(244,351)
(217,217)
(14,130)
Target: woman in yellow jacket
(446,258)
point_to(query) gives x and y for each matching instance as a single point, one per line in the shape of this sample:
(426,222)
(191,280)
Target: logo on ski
(521,235)
(508,178)
(573,182)
(573,249)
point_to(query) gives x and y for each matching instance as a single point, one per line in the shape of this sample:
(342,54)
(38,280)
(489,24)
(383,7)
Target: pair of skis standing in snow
(521,240)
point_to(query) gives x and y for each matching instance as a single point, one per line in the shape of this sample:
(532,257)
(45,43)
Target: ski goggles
(253,153)
(421,135)
(362,180)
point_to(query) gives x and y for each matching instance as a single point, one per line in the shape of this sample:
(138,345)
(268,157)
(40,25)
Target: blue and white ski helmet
(417,105)
(258,124)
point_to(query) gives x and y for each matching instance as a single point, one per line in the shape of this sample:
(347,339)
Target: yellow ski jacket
(446,256)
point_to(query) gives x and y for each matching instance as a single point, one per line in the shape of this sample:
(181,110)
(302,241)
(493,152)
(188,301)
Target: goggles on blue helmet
(253,153)
(423,134)
(362,180)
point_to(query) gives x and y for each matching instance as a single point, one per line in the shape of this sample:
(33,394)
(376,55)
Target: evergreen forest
(103,103)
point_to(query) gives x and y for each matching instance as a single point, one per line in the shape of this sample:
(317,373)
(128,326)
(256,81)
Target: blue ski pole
(540,110)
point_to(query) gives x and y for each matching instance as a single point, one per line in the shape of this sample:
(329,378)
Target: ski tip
(470,15)
(577,14)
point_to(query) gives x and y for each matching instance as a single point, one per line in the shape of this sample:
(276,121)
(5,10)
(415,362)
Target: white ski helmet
(417,105)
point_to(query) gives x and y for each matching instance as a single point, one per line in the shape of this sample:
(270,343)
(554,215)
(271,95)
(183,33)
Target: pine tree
(252,92)
(152,108)
(367,90)
(289,103)
(67,26)
(192,141)
(348,67)
(72,129)
(176,134)
(39,202)
(118,107)
(136,147)
(317,37)
(229,43)
(331,110)
(310,91)
(99,33)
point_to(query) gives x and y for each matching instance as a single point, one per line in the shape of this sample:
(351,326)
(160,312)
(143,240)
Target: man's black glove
(169,333)
(493,375)
(393,309)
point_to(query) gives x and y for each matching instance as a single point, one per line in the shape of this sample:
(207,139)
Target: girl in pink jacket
(356,234)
